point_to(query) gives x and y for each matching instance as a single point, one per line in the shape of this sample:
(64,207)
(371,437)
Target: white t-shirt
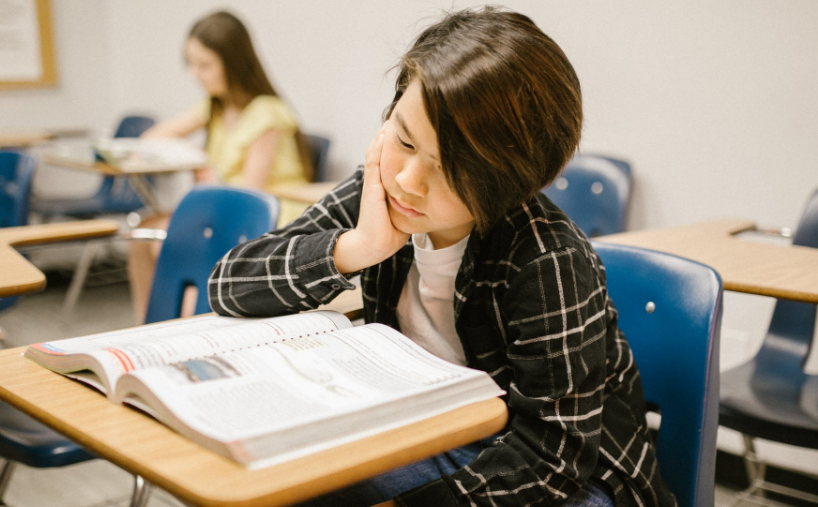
(426,305)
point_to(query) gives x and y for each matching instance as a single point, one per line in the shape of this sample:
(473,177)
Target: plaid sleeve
(554,320)
(291,269)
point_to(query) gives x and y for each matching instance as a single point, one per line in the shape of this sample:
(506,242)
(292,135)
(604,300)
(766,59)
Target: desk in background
(785,272)
(19,276)
(82,157)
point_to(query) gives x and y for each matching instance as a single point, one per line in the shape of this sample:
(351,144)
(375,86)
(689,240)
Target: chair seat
(25,440)
(767,407)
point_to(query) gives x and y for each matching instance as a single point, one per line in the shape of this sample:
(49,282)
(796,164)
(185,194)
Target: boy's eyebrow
(402,123)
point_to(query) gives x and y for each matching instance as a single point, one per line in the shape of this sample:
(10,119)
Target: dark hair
(505,103)
(224,34)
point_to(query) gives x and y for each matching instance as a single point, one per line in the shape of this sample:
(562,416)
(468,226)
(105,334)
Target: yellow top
(227,149)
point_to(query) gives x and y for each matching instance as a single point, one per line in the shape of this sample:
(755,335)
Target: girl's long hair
(224,34)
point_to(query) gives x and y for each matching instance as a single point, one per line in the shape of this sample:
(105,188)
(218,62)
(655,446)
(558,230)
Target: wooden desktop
(786,272)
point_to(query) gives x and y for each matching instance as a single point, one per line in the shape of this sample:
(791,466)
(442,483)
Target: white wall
(82,96)
(714,103)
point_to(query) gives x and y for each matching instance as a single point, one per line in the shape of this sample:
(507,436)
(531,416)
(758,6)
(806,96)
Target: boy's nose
(411,180)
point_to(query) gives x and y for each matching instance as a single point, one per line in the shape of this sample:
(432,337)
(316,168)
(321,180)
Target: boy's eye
(403,143)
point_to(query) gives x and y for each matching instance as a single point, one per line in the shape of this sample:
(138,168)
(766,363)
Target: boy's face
(418,197)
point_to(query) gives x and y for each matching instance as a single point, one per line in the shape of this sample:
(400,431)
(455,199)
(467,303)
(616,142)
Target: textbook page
(270,404)
(107,356)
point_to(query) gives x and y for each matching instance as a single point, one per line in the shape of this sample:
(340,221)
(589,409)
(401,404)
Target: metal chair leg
(78,280)
(141,492)
(5,475)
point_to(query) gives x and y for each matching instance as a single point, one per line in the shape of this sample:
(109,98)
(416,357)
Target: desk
(17,275)
(786,272)
(82,157)
(24,139)
(196,475)
(307,193)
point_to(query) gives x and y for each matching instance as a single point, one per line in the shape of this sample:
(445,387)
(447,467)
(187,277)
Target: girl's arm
(179,126)
(258,162)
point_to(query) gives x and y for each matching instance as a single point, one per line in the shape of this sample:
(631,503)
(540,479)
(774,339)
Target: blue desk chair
(319,153)
(114,195)
(16,175)
(769,397)
(670,311)
(209,221)
(595,191)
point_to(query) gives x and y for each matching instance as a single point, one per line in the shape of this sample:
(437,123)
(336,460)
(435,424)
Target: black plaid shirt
(531,309)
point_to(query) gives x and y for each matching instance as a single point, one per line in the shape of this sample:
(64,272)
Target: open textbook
(264,391)
(146,155)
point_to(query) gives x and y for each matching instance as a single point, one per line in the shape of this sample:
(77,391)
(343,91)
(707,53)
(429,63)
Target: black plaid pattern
(531,309)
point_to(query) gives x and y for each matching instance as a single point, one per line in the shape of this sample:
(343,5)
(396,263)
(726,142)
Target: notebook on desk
(145,155)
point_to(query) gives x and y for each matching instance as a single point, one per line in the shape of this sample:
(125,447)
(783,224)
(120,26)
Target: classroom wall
(82,96)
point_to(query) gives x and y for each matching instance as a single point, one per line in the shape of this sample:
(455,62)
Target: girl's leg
(142,257)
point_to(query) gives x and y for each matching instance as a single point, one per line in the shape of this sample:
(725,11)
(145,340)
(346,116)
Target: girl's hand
(374,238)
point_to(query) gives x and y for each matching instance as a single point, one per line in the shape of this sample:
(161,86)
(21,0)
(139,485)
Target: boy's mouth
(403,210)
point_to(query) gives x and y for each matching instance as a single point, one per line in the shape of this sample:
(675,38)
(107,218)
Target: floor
(103,305)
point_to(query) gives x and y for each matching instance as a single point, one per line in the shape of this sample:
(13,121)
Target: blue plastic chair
(16,175)
(209,221)
(670,311)
(318,148)
(114,195)
(595,192)
(768,396)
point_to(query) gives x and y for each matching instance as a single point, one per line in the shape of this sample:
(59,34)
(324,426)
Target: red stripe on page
(123,358)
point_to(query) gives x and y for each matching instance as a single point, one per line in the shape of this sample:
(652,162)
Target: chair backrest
(670,311)
(786,347)
(595,192)
(118,194)
(16,174)
(133,126)
(209,221)
(319,153)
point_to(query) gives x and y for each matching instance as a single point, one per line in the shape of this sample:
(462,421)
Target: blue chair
(670,311)
(16,175)
(595,192)
(209,221)
(769,396)
(318,147)
(114,195)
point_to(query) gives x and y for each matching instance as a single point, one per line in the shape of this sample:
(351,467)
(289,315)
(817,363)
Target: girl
(458,248)
(252,136)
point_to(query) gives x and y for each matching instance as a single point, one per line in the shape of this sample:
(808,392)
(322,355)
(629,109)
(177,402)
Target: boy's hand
(374,238)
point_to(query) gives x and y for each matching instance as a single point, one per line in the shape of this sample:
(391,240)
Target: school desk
(785,272)
(24,139)
(19,276)
(82,158)
(142,446)
(307,193)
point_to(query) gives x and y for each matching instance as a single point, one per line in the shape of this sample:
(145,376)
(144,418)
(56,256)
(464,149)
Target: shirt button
(335,286)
